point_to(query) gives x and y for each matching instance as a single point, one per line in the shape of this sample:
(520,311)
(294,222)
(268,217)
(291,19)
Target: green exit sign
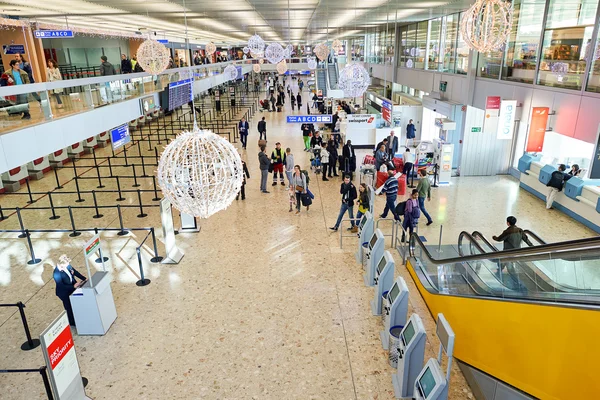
(475,129)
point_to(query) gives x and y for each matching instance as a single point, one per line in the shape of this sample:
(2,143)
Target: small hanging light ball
(256,44)
(153,57)
(246,50)
(312,63)
(321,51)
(230,72)
(274,53)
(282,67)
(200,173)
(211,48)
(337,45)
(261,61)
(256,68)
(354,80)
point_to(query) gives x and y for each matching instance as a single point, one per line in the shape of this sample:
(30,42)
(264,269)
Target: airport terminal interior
(300,199)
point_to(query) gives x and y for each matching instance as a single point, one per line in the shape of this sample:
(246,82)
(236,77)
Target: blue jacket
(410,131)
(65,285)
(243,127)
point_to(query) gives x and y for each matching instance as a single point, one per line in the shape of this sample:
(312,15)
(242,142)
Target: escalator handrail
(473,242)
(479,235)
(535,236)
(568,246)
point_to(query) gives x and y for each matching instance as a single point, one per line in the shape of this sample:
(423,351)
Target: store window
(450,27)
(522,47)
(489,64)
(462,54)
(421,46)
(593,84)
(410,51)
(433,47)
(567,39)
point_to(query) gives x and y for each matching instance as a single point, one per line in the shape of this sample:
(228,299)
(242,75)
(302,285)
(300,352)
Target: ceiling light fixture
(486,25)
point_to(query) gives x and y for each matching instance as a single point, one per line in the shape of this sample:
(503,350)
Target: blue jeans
(390,205)
(358,216)
(423,210)
(343,209)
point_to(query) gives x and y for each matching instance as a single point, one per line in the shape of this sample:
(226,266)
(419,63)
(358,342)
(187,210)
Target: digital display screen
(408,333)
(147,104)
(180,93)
(373,240)
(381,265)
(119,136)
(394,292)
(427,383)
(363,221)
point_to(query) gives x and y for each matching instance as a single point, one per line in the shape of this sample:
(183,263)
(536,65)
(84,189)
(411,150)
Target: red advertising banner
(537,129)
(493,102)
(386,113)
(60,347)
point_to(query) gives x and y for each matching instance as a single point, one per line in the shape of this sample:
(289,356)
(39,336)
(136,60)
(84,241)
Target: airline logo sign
(507,119)
(361,120)
(92,245)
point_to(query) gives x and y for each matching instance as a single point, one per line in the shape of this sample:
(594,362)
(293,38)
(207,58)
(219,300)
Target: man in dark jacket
(243,127)
(392,145)
(512,236)
(264,162)
(106,68)
(348,159)
(555,184)
(125,65)
(348,192)
(410,131)
(334,120)
(262,128)
(316,140)
(245,174)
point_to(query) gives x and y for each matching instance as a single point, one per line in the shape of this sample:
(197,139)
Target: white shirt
(408,157)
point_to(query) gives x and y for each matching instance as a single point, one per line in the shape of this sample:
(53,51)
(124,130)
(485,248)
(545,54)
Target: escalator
(332,74)
(322,80)
(522,326)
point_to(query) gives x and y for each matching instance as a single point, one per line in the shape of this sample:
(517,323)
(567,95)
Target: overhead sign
(361,120)
(506,122)
(537,129)
(53,34)
(120,136)
(386,111)
(493,103)
(311,119)
(13,48)
(163,41)
(61,360)
(492,112)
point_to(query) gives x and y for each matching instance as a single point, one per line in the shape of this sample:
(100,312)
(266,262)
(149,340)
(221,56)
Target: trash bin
(393,345)
(365,252)
(385,307)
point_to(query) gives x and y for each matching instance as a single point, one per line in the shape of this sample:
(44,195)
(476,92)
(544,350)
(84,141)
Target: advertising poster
(506,122)
(492,112)
(386,111)
(537,129)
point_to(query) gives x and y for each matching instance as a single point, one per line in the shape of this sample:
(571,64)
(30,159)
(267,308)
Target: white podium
(94,307)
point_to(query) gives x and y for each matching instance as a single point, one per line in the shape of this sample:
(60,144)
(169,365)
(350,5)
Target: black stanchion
(58,186)
(100,185)
(47,386)
(74,233)
(135,182)
(31,200)
(143,281)
(149,140)
(412,177)
(30,344)
(2,216)
(125,155)
(120,198)
(110,167)
(33,260)
(122,232)
(156,198)
(138,144)
(23,233)
(79,199)
(102,258)
(156,257)
(144,175)
(54,216)
(98,215)
(435,176)
(156,153)
(141,214)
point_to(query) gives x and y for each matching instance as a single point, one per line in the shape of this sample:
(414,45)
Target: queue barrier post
(31,200)
(144,175)
(33,260)
(54,216)
(143,281)
(120,198)
(44,374)
(102,258)
(98,215)
(125,155)
(23,233)
(2,216)
(141,214)
(58,186)
(109,167)
(100,185)
(79,199)
(74,233)
(135,181)
(156,257)
(122,232)
(31,343)
(156,198)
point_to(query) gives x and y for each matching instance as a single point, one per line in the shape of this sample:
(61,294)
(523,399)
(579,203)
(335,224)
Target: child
(292,196)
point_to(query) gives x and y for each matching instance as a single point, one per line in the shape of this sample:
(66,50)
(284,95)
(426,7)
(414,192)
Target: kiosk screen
(427,383)
(373,241)
(394,292)
(409,333)
(381,265)
(363,221)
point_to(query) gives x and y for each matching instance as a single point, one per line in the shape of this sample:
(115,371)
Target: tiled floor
(264,305)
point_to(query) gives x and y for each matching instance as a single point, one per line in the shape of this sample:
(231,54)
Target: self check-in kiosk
(411,352)
(366,226)
(375,250)
(395,311)
(384,279)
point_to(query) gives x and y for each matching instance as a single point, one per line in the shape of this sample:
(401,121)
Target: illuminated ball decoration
(321,51)
(409,63)
(274,53)
(200,173)
(256,68)
(312,63)
(210,48)
(354,80)
(246,50)
(337,45)
(486,25)
(230,73)
(256,44)
(282,67)
(153,57)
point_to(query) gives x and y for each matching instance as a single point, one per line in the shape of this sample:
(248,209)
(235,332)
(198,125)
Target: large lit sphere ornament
(337,45)
(256,44)
(256,68)
(321,51)
(200,173)
(230,72)
(210,48)
(246,50)
(274,53)
(312,63)
(153,57)
(487,24)
(282,67)
(354,80)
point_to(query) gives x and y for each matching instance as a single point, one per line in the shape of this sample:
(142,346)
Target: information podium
(93,304)
(396,312)
(411,353)
(375,252)
(366,225)
(384,279)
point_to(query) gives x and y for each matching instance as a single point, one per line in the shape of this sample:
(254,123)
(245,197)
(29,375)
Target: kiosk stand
(93,304)
(396,311)
(375,252)
(431,384)
(384,279)
(366,226)
(411,352)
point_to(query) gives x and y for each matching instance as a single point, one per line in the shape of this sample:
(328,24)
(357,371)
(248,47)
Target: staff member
(64,276)
(243,127)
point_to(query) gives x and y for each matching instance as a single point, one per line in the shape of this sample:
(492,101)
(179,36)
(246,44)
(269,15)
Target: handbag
(306,200)
(299,188)
(270,167)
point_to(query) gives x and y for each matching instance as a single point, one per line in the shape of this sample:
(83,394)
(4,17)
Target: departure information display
(180,93)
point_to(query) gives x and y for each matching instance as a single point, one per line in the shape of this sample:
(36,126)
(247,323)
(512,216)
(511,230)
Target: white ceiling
(234,21)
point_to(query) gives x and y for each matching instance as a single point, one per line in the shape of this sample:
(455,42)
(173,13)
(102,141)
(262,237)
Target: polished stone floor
(264,305)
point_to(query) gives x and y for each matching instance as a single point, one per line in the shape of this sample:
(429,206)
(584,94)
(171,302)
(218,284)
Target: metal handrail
(479,235)
(341,228)
(566,249)
(472,243)
(393,229)
(535,236)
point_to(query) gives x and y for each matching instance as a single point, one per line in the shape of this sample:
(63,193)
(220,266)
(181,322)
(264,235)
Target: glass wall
(450,38)
(434,44)
(593,84)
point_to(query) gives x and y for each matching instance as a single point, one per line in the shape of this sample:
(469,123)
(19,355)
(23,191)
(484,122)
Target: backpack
(400,208)
(305,172)
(416,213)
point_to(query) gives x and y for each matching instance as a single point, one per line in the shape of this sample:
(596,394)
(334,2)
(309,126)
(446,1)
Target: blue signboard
(13,48)
(309,119)
(163,41)
(119,136)
(52,34)
(386,104)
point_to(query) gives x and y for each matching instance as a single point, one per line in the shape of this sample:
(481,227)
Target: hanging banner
(61,360)
(492,111)
(506,122)
(537,129)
